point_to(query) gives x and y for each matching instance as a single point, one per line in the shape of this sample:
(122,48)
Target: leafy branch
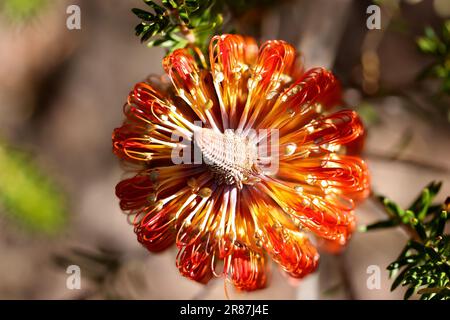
(178,23)
(423,265)
(437,46)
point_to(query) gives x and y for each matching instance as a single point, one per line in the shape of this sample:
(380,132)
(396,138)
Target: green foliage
(423,265)
(438,46)
(21,10)
(177,23)
(27,195)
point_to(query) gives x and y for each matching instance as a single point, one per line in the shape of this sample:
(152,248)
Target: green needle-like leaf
(379,225)
(424,261)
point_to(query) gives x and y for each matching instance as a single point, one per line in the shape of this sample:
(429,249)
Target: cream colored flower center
(230,157)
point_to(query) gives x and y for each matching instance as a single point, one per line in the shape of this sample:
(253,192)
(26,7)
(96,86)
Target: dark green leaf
(380,225)
(420,230)
(392,207)
(185,17)
(170,4)
(404,261)
(144,15)
(157,8)
(441,223)
(399,279)
(409,293)
(423,201)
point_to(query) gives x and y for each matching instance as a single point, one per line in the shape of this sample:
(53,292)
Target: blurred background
(61,95)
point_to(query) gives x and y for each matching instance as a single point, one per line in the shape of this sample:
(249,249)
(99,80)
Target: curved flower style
(228,213)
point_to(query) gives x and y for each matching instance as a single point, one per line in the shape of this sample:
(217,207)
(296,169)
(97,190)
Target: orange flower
(229,212)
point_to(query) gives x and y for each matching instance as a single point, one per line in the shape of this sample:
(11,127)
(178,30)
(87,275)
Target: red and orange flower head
(229,212)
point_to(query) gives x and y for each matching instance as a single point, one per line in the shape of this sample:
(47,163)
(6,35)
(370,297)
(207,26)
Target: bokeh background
(61,95)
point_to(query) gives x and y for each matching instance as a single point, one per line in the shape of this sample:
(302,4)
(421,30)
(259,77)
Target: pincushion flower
(230,213)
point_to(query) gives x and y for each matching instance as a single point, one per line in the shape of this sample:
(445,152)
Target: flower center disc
(230,157)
